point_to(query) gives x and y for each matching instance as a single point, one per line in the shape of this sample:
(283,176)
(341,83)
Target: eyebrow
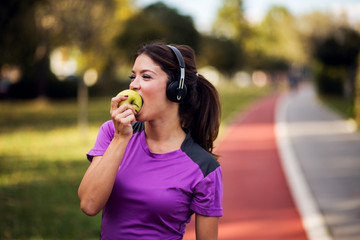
(145,70)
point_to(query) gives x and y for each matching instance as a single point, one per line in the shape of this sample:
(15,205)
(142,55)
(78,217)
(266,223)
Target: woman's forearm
(206,227)
(98,181)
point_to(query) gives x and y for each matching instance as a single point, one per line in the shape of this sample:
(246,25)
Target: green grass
(342,106)
(42,161)
(234,99)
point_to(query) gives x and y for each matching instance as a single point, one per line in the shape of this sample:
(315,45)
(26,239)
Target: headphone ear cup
(182,93)
(172,92)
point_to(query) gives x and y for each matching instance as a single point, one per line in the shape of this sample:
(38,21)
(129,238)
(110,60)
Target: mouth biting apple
(134,99)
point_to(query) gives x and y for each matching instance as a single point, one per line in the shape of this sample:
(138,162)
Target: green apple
(134,99)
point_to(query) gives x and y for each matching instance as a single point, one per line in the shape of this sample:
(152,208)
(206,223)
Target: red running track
(257,201)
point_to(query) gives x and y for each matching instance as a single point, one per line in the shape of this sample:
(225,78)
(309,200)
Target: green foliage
(276,38)
(30,30)
(339,48)
(342,106)
(156,22)
(17,25)
(230,22)
(336,57)
(19,40)
(356,111)
(85,29)
(224,49)
(329,80)
(259,60)
(223,54)
(106,34)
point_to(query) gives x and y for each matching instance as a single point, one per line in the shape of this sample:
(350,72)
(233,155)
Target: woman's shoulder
(107,129)
(206,162)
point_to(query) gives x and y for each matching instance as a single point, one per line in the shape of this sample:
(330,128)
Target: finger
(125,118)
(128,120)
(121,109)
(126,106)
(116,100)
(118,114)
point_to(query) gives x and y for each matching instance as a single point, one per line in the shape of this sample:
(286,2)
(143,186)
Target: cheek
(155,94)
(155,102)
(158,90)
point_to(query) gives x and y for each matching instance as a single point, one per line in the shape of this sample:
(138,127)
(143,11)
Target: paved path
(328,150)
(257,201)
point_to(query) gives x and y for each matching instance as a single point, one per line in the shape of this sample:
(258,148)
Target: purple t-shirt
(154,195)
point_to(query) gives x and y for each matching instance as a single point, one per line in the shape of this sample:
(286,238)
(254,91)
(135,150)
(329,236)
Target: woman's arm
(98,181)
(206,227)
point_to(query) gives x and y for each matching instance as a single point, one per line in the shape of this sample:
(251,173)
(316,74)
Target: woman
(151,170)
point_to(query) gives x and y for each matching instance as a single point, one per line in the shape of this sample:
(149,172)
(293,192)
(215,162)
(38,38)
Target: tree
(357,95)
(339,48)
(230,22)
(88,26)
(336,61)
(221,53)
(156,22)
(277,37)
(18,41)
(225,50)
(30,30)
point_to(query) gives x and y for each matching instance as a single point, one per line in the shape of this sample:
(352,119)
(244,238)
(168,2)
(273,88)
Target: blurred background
(61,61)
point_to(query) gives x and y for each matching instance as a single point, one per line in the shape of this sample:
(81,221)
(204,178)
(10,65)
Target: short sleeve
(104,137)
(208,195)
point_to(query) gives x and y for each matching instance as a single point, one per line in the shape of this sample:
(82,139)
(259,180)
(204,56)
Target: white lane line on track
(311,216)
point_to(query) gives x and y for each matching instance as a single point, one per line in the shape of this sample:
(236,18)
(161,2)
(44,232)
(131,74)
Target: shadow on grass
(39,200)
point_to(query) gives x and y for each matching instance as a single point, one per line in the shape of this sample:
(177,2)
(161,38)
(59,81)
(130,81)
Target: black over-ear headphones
(176,90)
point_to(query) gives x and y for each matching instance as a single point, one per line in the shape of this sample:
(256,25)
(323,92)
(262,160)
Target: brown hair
(200,111)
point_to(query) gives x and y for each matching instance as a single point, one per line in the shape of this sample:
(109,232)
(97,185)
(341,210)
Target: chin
(139,117)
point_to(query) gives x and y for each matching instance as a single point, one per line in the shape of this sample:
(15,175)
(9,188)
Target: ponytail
(203,116)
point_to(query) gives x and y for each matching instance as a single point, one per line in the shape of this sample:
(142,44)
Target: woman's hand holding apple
(122,116)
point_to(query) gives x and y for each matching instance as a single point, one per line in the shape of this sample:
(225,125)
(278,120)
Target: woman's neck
(164,135)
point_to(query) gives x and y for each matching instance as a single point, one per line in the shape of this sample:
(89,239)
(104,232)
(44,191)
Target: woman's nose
(135,84)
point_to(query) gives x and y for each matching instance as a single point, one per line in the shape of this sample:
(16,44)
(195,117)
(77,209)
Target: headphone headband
(180,90)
